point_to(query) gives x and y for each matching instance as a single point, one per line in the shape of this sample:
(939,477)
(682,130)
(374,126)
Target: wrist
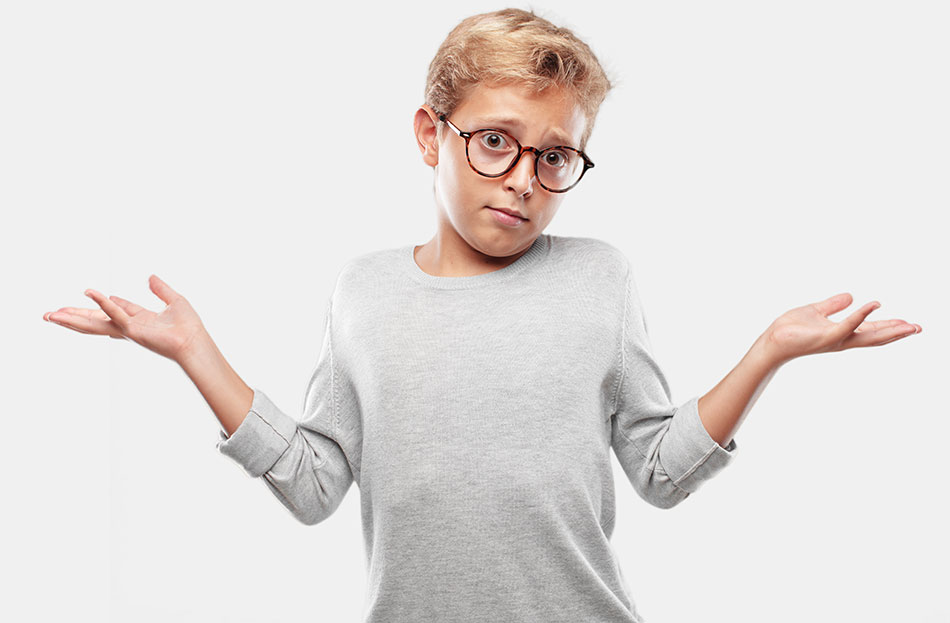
(767,351)
(200,351)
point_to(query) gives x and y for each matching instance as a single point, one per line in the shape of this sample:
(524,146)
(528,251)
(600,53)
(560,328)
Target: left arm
(724,408)
(802,331)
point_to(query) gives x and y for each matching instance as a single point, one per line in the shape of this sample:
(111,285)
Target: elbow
(312,513)
(319,512)
(666,498)
(659,490)
(310,501)
(310,519)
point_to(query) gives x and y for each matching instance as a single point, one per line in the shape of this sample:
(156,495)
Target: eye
(494,140)
(556,158)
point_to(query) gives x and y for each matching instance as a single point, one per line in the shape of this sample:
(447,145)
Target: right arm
(302,463)
(228,396)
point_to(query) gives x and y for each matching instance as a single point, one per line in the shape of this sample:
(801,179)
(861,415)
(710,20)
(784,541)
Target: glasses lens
(559,167)
(492,151)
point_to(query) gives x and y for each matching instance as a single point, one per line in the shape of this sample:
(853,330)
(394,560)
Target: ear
(425,125)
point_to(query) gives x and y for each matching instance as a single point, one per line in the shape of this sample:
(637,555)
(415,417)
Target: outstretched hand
(807,330)
(170,333)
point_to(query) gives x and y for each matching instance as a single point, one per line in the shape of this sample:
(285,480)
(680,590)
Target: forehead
(553,114)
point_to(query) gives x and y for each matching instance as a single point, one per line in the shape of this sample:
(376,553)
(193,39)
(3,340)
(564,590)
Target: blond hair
(513,46)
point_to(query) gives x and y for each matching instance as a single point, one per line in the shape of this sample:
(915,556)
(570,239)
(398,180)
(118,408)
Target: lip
(507,211)
(507,220)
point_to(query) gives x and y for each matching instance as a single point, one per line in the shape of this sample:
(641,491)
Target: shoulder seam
(621,377)
(334,420)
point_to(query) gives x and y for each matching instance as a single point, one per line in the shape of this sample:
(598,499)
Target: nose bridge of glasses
(533,166)
(525,149)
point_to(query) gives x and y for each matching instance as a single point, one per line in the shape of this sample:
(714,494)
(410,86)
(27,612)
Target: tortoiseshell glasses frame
(588,164)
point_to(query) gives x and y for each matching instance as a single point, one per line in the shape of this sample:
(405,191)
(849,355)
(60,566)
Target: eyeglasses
(495,152)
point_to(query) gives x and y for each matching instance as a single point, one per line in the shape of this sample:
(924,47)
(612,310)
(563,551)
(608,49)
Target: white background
(753,157)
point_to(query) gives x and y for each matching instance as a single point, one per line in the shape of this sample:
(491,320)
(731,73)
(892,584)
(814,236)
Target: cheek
(464,185)
(452,172)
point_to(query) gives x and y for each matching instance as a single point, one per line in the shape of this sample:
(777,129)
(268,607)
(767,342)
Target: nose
(521,177)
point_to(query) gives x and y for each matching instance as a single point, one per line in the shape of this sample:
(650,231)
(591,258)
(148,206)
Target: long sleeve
(664,449)
(303,463)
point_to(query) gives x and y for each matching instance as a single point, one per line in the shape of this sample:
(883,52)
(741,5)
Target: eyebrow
(557,134)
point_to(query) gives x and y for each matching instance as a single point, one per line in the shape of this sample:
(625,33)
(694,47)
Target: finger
(881,336)
(63,312)
(115,313)
(81,324)
(894,338)
(129,307)
(55,316)
(874,325)
(87,313)
(833,304)
(162,290)
(849,324)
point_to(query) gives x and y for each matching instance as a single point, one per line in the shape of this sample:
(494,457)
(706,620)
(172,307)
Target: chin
(501,246)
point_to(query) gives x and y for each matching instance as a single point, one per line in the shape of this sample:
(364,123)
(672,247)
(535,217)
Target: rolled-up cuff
(262,437)
(689,455)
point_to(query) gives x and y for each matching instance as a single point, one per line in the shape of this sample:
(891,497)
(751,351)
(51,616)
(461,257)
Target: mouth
(509,212)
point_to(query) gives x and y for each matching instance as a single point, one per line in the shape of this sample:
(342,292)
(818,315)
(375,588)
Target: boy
(473,386)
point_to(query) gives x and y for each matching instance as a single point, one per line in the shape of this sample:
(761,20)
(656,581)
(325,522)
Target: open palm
(169,333)
(807,330)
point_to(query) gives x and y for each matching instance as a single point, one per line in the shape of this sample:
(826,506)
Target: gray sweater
(476,416)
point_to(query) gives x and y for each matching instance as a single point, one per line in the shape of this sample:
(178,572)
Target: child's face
(465,198)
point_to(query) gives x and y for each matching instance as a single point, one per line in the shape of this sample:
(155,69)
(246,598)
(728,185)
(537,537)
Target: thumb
(162,290)
(834,304)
